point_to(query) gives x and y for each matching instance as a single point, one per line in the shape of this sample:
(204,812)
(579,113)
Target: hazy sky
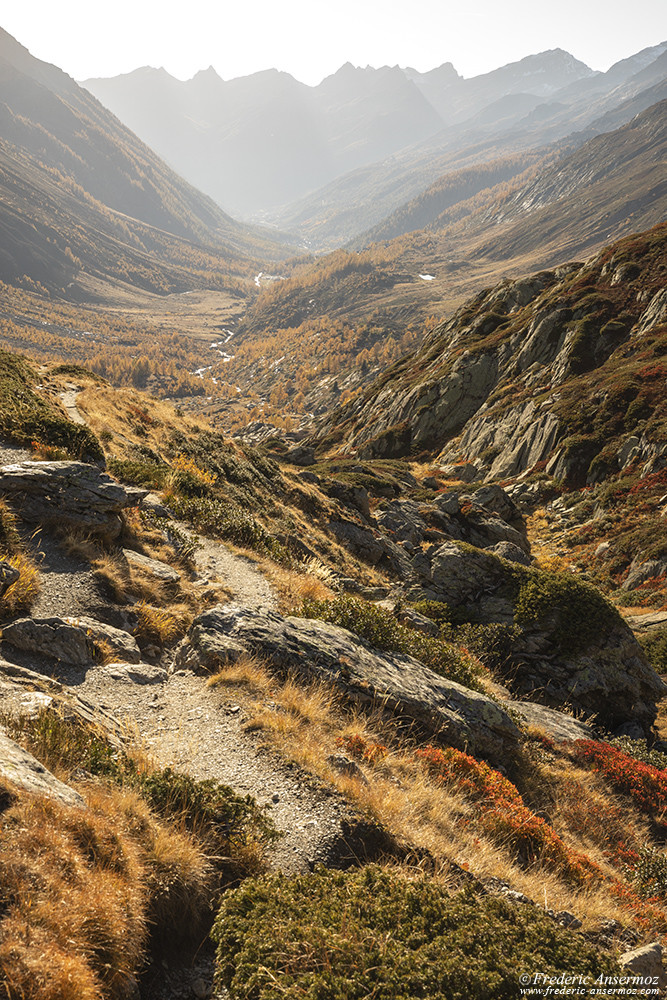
(312,38)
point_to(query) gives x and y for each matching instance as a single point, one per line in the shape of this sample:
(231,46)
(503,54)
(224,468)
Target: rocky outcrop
(515,440)
(27,692)
(555,724)
(648,964)
(495,389)
(67,493)
(73,640)
(25,772)
(372,547)
(316,650)
(569,646)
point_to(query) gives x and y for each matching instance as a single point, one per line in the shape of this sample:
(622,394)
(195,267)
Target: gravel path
(192,727)
(67,584)
(238,573)
(10,454)
(69,402)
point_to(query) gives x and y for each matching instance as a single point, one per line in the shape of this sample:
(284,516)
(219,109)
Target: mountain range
(269,147)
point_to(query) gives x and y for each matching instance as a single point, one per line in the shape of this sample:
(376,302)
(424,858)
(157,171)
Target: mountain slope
(559,367)
(74,182)
(559,207)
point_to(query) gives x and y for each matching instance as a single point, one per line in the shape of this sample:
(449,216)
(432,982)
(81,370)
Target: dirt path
(185,724)
(69,402)
(238,573)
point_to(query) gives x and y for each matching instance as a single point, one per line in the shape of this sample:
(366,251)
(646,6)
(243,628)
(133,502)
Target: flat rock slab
(25,772)
(555,724)
(71,493)
(160,570)
(142,673)
(72,640)
(24,691)
(319,651)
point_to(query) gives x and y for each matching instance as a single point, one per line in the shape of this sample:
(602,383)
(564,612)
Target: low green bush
(640,750)
(374,933)
(574,611)
(654,644)
(138,473)
(229,521)
(381,629)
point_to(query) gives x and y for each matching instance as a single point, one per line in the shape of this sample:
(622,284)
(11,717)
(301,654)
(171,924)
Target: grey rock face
(152,503)
(371,548)
(655,314)
(464,472)
(26,773)
(519,438)
(160,570)
(643,571)
(402,520)
(69,493)
(555,724)
(318,650)
(70,640)
(646,962)
(301,455)
(497,501)
(511,552)
(8,575)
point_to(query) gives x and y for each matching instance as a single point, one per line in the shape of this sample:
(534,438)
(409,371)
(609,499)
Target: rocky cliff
(562,370)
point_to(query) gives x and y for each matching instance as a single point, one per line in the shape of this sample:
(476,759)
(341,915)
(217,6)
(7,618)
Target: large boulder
(72,640)
(570,646)
(68,493)
(320,651)
(371,548)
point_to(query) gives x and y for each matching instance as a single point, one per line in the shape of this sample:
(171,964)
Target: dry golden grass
(22,594)
(160,625)
(248,672)
(110,411)
(306,723)
(75,919)
(292,586)
(81,887)
(79,545)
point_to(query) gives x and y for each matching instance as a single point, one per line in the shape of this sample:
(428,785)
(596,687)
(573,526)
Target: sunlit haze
(311,40)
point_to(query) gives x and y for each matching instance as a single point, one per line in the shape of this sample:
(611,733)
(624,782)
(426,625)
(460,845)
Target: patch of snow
(427,277)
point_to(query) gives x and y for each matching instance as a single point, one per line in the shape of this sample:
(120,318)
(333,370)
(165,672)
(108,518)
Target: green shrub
(437,611)
(138,473)
(640,751)
(574,611)
(492,644)
(373,933)
(654,644)
(649,872)
(381,629)
(228,520)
